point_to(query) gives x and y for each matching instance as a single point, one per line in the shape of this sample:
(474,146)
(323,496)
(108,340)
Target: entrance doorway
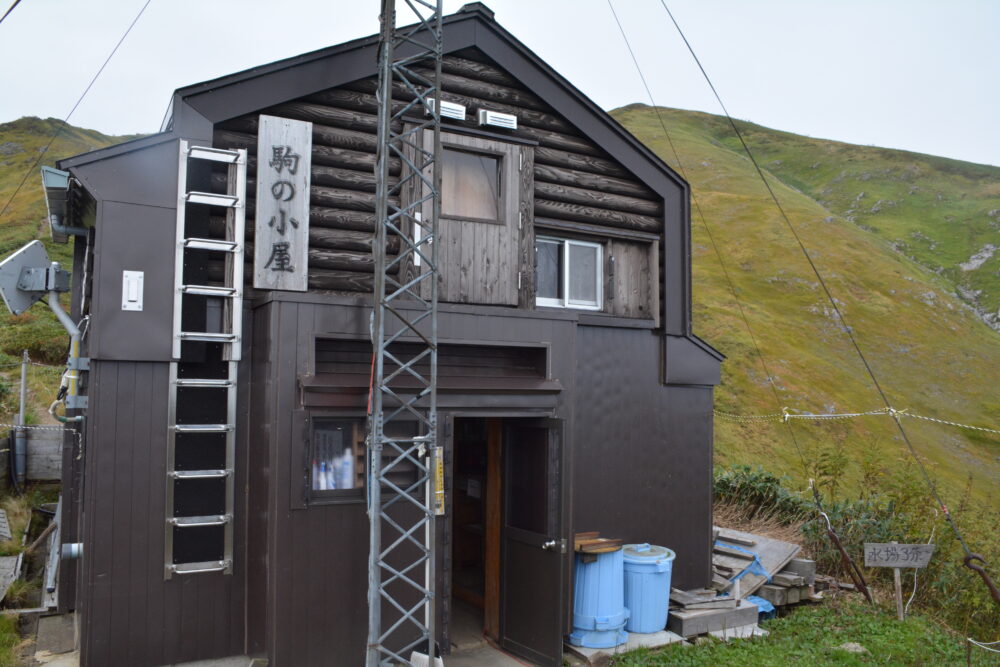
(476,517)
(508,547)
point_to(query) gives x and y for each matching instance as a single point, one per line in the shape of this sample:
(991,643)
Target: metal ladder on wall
(199,377)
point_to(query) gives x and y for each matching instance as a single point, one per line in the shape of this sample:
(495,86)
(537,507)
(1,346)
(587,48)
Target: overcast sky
(922,75)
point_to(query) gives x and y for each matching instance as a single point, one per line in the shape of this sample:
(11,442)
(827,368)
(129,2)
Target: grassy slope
(931,352)
(813,634)
(21,141)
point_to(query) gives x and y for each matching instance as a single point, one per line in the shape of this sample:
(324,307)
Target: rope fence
(786,415)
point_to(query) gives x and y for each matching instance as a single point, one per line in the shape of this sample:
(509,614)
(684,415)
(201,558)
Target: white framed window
(568,273)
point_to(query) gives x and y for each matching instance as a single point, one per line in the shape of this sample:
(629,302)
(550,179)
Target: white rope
(787,415)
(37,428)
(984,645)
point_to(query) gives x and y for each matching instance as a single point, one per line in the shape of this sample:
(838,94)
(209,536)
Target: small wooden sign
(897,555)
(281,238)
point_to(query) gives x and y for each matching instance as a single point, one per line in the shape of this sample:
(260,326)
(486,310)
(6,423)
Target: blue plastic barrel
(647,586)
(599,612)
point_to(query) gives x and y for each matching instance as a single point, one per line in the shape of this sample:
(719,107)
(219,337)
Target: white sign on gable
(281,236)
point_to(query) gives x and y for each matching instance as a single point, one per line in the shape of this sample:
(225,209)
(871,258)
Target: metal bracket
(43,279)
(78,363)
(76,402)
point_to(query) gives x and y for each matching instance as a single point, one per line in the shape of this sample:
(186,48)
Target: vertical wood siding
(130,614)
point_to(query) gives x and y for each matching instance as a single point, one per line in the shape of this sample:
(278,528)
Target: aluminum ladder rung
(212,199)
(206,337)
(211,244)
(202,428)
(202,382)
(210,290)
(199,521)
(195,568)
(199,474)
(213,154)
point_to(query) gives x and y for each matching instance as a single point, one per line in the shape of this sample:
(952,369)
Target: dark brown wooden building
(573,394)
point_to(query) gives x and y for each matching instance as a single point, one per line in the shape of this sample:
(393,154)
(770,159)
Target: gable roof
(195,109)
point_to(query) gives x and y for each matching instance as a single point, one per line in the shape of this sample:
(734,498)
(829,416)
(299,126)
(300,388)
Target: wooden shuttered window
(480,224)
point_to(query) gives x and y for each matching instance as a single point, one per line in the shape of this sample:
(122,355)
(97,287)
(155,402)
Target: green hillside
(894,269)
(37,330)
(892,257)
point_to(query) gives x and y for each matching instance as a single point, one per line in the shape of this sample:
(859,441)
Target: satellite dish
(30,263)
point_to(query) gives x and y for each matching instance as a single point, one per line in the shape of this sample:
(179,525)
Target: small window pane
(335,455)
(548,273)
(470,185)
(582,274)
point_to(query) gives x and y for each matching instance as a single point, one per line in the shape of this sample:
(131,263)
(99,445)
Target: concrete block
(803,567)
(690,623)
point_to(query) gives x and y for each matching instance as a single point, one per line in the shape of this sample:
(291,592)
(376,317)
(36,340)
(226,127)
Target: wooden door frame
(444,532)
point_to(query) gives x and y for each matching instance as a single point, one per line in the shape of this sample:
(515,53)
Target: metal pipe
(72,376)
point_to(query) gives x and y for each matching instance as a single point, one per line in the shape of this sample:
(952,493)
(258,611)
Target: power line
(65,120)
(711,238)
(7,13)
(850,334)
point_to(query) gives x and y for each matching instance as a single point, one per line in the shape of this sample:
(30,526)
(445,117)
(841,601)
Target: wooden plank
(582,179)
(773,556)
(598,198)
(334,177)
(579,161)
(653,278)
(327,197)
(5,533)
(330,156)
(347,119)
(787,580)
(479,71)
(454,83)
(600,216)
(726,551)
(325,135)
(803,567)
(776,595)
(282,214)
(44,456)
(8,573)
(597,230)
(359,96)
(494,502)
(526,228)
(690,600)
(330,239)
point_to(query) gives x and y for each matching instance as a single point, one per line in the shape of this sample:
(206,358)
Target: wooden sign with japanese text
(897,555)
(281,234)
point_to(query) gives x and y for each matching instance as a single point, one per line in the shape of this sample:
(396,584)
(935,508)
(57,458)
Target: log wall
(575,182)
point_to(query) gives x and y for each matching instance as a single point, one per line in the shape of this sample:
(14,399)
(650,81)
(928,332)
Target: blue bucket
(599,612)
(647,586)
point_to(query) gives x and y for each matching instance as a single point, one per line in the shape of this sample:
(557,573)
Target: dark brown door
(533,544)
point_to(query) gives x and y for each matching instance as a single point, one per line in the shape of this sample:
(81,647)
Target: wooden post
(897,581)
(494,515)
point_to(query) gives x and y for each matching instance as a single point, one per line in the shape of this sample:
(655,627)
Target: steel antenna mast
(403,465)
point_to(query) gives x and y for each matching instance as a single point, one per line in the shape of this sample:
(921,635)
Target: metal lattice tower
(401,469)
